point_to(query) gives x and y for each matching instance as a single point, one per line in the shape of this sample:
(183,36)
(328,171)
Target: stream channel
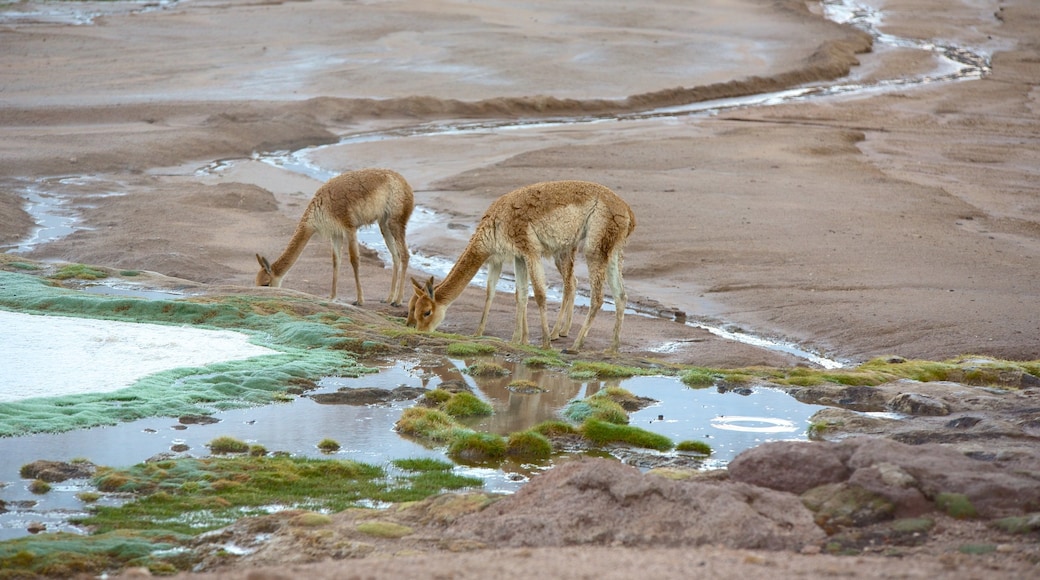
(730,421)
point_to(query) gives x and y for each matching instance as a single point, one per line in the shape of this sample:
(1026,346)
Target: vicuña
(339,207)
(549,219)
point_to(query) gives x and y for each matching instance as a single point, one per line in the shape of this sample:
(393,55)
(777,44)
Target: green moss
(422,464)
(79,271)
(698,447)
(1018,524)
(39,486)
(467,349)
(604,370)
(225,444)
(384,529)
(426,423)
(310,520)
(956,505)
(977,549)
(555,429)
(465,404)
(599,407)
(302,339)
(88,496)
(603,432)
(476,448)
(698,377)
(913,525)
(486,369)
(328,445)
(437,396)
(528,446)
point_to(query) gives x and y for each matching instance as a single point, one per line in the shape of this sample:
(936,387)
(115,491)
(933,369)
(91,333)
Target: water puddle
(730,421)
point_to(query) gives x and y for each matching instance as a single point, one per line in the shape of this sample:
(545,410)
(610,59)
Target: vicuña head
(549,219)
(339,207)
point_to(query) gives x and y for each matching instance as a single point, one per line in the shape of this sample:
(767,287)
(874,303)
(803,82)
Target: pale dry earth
(894,222)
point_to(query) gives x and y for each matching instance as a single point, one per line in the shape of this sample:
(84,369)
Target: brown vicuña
(549,219)
(339,207)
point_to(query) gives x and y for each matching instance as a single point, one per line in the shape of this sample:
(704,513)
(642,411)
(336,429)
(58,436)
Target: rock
(790,466)
(612,504)
(917,404)
(839,505)
(911,477)
(368,395)
(55,471)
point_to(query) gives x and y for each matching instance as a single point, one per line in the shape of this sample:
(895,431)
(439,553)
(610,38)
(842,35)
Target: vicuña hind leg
(565,265)
(596,274)
(520,329)
(617,289)
(494,271)
(355,258)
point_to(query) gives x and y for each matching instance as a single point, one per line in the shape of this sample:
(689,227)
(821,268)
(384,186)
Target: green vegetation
(698,447)
(583,370)
(698,377)
(486,369)
(39,486)
(307,343)
(467,349)
(328,445)
(464,404)
(473,447)
(457,405)
(528,446)
(384,529)
(178,499)
(79,271)
(541,362)
(603,433)
(223,445)
(956,505)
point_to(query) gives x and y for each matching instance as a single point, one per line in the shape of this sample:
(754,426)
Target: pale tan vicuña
(339,207)
(549,219)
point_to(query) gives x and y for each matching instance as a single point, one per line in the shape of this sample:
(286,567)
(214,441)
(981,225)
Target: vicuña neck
(292,252)
(465,268)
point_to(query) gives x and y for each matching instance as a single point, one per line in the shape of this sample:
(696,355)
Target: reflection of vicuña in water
(339,207)
(548,219)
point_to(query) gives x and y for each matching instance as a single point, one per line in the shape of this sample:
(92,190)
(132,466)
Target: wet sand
(889,222)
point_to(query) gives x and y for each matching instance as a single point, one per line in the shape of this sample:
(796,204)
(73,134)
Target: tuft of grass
(328,445)
(603,370)
(467,349)
(598,407)
(698,378)
(226,444)
(422,464)
(541,362)
(465,404)
(384,529)
(528,446)
(425,423)
(524,386)
(472,447)
(310,520)
(486,369)
(39,487)
(555,429)
(698,447)
(79,271)
(603,432)
(956,505)
(88,496)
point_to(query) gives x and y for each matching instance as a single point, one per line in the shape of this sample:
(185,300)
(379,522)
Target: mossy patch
(486,369)
(956,505)
(603,433)
(472,447)
(528,446)
(467,349)
(379,529)
(304,340)
(698,447)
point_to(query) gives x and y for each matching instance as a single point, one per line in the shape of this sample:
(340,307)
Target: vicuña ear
(418,287)
(264,264)
(429,287)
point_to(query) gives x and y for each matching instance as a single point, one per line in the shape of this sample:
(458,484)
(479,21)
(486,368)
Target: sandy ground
(898,220)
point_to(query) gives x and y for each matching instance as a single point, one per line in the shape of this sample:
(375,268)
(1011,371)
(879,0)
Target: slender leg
(597,269)
(617,289)
(494,271)
(565,264)
(520,330)
(352,247)
(337,243)
(394,240)
(537,274)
